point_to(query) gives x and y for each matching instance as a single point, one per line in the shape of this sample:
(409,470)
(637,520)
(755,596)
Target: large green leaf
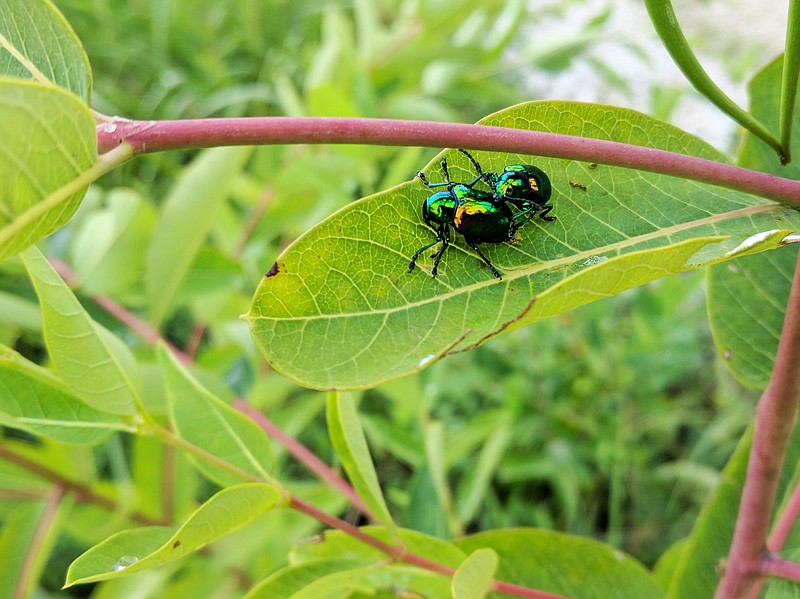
(339,309)
(747,297)
(142,548)
(34,399)
(567,565)
(36,42)
(48,140)
(96,365)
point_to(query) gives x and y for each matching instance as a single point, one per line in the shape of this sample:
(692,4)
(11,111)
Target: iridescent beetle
(484,216)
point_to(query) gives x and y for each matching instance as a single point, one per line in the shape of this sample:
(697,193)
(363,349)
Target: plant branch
(401,554)
(81,491)
(777,567)
(32,552)
(157,136)
(786,520)
(776,414)
(304,455)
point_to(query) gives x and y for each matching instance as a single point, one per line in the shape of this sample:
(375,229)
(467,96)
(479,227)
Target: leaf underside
(340,310)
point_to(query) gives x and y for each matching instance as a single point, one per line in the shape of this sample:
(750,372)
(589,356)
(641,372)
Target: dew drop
(124,562)
(111,127)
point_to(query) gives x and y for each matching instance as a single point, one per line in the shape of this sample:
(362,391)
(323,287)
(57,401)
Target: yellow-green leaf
(36,42)
(139,549)
(95,364)
(48,141)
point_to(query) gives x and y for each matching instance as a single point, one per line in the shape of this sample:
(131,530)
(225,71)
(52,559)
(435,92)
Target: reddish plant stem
(304,455)
(776,567)
(126,317)
(156,136)
(776,414)
(401,554)
(81,492)
(39,535)
(786,520)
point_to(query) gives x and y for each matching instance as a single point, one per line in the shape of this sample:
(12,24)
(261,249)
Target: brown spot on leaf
(273,271)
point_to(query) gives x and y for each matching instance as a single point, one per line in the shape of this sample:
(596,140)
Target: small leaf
(473,579)
(139,549)
(208,422)
(96,365)
(48,140)
(36,42)
(34,399)
(560,563)
(350,444)
(187,216)
(343,289)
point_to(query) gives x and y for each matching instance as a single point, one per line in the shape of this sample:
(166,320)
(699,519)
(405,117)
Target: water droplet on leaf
(124,562)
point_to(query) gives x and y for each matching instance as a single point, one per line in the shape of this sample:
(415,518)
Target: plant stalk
(776,414)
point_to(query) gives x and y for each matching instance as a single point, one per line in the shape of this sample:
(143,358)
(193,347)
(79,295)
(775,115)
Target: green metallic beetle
(483,216)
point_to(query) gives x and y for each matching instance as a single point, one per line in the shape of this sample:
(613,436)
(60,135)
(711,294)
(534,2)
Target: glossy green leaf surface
(287,581)
(48,140)
(339,309)
(36,42)
(474,577)
(34,399)
(350,444)
(564,564)
(96,365)
(16,535)
(139,549)
(747,297)
(187,215)
(208,422)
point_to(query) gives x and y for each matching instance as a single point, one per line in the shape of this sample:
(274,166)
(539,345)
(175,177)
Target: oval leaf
(339,308)
(36,42)
(48,140)
(96,365)
(34,399)
(139,549)
(208,422)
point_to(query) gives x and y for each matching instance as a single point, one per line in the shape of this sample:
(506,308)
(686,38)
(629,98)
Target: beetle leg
(543,214)
(444,235)
(427,183)
(495,272)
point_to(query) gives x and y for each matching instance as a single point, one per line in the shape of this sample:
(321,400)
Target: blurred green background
(612,421)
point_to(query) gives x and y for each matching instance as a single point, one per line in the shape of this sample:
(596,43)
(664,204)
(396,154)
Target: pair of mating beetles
(484,216)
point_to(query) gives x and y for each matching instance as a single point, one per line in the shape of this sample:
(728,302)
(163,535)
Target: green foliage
(604,420)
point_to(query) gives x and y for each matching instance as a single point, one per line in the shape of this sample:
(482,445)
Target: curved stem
(156,136)
(776,414)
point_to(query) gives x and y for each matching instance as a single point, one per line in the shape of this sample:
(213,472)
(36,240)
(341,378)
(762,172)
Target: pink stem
(786,521)
(776,567)
(156,136)
(304,455)
(776,414)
